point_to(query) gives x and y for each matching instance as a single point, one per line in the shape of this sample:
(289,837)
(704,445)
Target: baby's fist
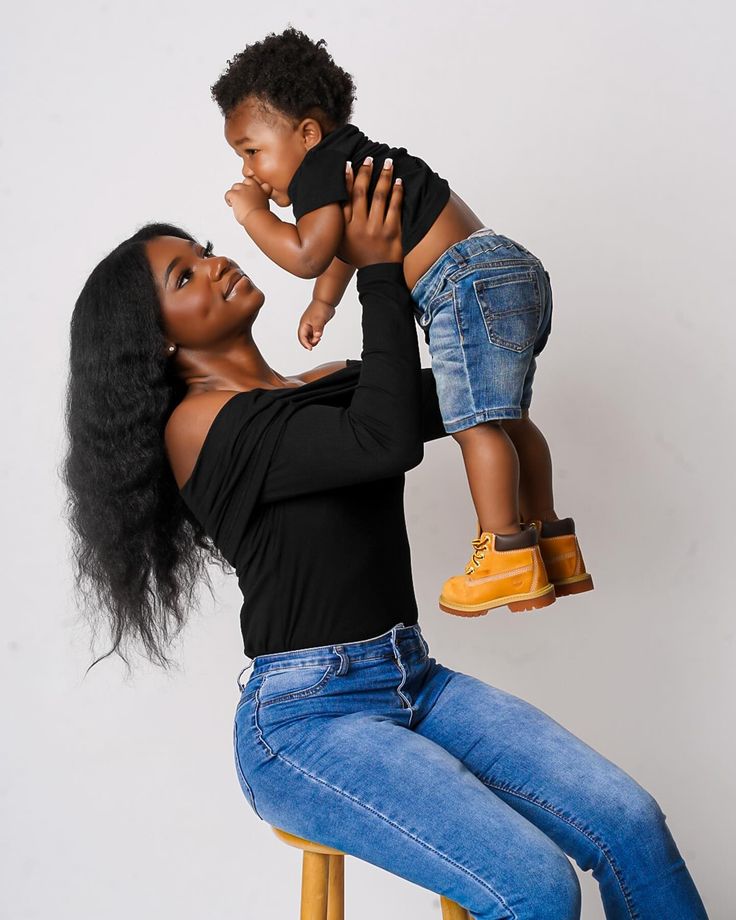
(313,321)
(244,197)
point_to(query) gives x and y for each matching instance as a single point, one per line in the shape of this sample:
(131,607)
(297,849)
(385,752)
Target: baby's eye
(250,151)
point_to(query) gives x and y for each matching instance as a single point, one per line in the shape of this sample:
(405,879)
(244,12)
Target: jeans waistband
(450,258)
(398,640)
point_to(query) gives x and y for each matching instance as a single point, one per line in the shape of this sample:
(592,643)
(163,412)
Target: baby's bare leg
(492,466)
(536,499)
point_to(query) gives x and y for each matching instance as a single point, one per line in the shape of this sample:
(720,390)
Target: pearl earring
(172,348)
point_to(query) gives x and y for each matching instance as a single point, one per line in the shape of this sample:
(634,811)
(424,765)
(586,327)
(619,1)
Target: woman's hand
(372,235)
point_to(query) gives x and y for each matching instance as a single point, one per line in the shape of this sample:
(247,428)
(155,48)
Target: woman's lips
(238,276)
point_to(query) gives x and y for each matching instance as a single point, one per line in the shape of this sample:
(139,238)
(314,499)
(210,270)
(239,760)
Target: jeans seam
(241,775)
(633,913)
(427,846)
(301,694)
(257,726)
(458,321)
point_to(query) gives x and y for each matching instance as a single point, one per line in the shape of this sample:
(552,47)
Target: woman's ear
(311,132)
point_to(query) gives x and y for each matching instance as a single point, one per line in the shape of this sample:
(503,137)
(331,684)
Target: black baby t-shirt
(320,180)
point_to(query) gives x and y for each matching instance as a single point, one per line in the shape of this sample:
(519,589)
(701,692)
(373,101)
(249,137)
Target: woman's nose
(218,265)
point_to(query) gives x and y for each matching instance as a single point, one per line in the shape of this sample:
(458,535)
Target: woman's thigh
(588,806)
(344,767)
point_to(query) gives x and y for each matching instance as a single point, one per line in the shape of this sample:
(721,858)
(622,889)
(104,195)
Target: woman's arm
(432,427)
(379,434)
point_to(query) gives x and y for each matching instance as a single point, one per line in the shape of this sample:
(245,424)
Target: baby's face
(270,145)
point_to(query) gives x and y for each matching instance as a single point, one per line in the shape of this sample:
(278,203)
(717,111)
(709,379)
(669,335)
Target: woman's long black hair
(137,549)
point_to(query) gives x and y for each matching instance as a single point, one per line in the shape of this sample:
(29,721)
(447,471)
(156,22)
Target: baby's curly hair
(292,74)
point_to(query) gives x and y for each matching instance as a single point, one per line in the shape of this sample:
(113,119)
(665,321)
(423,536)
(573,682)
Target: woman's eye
(186,275)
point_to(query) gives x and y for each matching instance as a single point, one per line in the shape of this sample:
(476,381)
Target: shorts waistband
(449,257)
(399,639)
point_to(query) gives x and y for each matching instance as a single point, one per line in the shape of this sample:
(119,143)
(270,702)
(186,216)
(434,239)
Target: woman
(346,731)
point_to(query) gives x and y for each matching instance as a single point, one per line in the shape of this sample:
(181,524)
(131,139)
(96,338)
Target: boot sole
(578,584)
(516,603)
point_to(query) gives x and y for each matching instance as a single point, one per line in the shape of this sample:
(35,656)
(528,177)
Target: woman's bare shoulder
(314,373)
(187,429)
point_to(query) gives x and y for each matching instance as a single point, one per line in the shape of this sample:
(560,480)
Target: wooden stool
(323,882)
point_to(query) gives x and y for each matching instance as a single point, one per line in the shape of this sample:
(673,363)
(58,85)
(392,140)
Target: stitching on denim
(301,694)
(516,278)
(402,682)
(315,661)
(633,913)
(241,775)
(257,726)
(427,846)
(463,351)
(485,415)
(496,264)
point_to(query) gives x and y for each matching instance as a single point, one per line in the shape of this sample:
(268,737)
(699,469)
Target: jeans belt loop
(394,643)
(344,660)
(241,686)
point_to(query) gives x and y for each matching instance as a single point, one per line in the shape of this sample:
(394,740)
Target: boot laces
(480,547)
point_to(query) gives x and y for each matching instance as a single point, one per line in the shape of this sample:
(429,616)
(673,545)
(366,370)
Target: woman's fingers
(380,195)
(393,215)
(347,208)
(360,188)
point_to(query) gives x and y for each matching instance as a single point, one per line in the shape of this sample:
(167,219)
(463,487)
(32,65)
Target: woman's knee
(546,888)
(555,892)
(635,814)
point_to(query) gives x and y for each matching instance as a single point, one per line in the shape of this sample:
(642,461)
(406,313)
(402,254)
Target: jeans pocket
(510,305)
(294,684)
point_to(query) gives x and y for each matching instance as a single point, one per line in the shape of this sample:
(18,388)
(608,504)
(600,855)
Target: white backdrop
(600,136)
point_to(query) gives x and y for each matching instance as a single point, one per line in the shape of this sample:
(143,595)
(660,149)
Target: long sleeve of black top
(380,433)
(301,489)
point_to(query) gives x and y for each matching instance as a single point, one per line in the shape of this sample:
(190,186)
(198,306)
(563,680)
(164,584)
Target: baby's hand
(313,321)
(246,196)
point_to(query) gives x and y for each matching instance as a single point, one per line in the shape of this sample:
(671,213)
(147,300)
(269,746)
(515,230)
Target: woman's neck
(240,367)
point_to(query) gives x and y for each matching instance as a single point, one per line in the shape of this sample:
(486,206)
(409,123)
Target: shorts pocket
(294,684)
(511,308)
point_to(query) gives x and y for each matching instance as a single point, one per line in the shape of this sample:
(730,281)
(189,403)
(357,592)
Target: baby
(483,301)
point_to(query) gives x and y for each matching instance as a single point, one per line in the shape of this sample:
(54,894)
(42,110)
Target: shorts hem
(477,418)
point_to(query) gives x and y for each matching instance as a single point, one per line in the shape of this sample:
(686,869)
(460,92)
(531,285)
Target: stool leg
(336,889)
(315,869)
(453,911)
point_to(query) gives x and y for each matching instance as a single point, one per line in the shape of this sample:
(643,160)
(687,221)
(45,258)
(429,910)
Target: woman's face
(206,300)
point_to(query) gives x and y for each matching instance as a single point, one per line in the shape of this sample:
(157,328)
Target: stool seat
(301,844)
(323,882)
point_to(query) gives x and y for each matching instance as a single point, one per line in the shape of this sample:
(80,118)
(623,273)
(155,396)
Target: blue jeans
(486,310)
(376,749)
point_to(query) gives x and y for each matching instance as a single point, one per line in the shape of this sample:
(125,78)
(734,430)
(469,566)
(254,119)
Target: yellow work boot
(505,569)
(562,557)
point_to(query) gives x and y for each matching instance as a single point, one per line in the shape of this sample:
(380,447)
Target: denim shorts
(486,310)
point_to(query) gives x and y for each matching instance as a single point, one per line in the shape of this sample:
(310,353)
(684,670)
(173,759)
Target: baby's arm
(327,294)
(306,248)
